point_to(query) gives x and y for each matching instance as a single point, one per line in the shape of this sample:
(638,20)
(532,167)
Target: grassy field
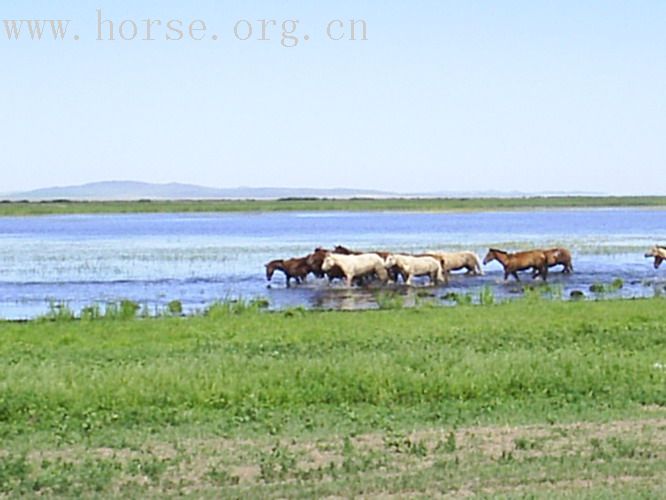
(532,397)
(358,204)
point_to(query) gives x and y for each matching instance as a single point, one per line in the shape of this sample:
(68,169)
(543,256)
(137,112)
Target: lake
(202,258)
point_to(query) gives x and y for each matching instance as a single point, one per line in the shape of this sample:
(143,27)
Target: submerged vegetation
(243,402)
(58,207)
(603,288)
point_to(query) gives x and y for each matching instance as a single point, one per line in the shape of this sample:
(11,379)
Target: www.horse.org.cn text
(287,33)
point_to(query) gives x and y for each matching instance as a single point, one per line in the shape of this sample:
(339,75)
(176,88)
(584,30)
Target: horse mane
(498,251)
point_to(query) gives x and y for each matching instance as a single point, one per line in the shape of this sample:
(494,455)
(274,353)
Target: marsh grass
(355,204)
(601,289)
(486,296)
(235,306)
(460,299)
(389,299)
(135,407)
(58,311)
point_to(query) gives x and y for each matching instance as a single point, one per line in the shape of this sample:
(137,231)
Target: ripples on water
(202,258)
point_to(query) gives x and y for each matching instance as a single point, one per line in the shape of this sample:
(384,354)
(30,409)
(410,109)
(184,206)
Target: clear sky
(458,96)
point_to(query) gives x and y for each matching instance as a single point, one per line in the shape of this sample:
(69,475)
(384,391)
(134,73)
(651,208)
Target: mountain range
(132,190)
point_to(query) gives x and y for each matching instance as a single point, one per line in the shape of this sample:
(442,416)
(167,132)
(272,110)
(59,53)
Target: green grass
(244,402)
(356,204)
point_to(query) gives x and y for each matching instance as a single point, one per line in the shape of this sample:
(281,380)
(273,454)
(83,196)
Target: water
(202,258)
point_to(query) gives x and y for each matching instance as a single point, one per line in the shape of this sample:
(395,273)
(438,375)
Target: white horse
(659,254)
(453,261)
(410,266)
(354,266)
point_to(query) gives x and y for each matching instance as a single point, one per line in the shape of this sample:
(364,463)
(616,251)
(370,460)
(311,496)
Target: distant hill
(130,190)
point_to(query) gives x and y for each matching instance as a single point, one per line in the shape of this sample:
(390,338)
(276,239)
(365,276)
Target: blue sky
(457,96)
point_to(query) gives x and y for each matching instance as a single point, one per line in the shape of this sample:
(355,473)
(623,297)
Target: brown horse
(514,262)
(296,269)
(559,256)
(315,261)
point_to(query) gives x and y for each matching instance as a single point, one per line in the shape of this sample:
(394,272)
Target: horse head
(390,261)
(328,263)
(271,267)
(491,255)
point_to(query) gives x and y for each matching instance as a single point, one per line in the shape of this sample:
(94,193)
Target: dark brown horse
(514,262)
(345,251)
(315,261)
(296,269)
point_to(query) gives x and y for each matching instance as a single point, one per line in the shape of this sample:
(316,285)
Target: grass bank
(357,204)
(470,399)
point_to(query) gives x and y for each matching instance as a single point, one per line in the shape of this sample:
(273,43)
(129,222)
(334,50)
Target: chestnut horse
(514,262)
(659,254)
(296,269)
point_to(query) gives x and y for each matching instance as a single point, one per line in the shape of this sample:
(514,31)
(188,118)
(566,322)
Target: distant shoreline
(66,207)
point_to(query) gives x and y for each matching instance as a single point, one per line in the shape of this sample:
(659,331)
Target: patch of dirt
(192,460)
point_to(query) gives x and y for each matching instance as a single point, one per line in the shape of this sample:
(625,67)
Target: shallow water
(202,258)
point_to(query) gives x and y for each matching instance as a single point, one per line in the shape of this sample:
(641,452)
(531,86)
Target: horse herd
(356,267)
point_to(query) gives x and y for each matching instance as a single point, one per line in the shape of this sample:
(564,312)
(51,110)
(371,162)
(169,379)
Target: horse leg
(515,275)
(382,274)
(349,278)
(543,272)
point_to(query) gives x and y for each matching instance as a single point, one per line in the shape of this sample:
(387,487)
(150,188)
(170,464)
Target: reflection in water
(199,259)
